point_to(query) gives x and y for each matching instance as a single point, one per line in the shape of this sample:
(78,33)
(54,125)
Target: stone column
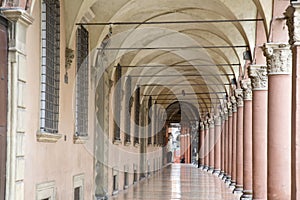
(206,146)
(211,145)
(247,140)
(239,141)
(233,153)
(229,143)
(201,149)
(217,156)
(223,116)
(259,80)
(293,18)
(279,59)
(225,146)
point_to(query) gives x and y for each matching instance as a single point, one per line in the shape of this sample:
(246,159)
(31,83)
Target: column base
(217,172)
(232,185)
(228,180)
(238,189)
(247,195)
(224,177)
(221,175)
(201,167)
(205,168)
(210,170)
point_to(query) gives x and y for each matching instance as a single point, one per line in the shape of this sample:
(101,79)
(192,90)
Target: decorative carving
(233,102)
(69,54)
(292,16)
(239,95)
(69,58)
(259,77)
(202,127)
(225,110)
(289,15)
(279,58)
(206,124)
(218,120)
(211,123)
(247,89)
(229,107)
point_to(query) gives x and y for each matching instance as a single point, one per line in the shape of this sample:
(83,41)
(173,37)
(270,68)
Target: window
(128,102)
(77,193)
(46,191)
(137,115)
(78,187)
(149,120)
(82,82)
(50,66)
(117,105)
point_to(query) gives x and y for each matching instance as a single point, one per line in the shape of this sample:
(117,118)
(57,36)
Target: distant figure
(182,160)
(169,148)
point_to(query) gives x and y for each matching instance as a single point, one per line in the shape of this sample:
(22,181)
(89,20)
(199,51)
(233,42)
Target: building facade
(90,89)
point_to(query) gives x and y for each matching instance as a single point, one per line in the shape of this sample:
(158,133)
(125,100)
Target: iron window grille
(149,120)
(50,66)
(82,82)
(117,105)
(128,102)
(137,116)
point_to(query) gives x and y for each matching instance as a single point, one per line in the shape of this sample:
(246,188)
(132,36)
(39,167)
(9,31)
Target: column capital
(247,89)
(292,14)
(218,120)
(206,125)
(229,107)
(259,77)
(211,122)
(20,20)
(239,95)
(234,103)
(279,58)
(202,127)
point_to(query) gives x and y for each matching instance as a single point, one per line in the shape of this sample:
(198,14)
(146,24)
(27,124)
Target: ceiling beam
(178,75)
(196,93)
(173,47)
(169,22)
(187,84)
(180,65)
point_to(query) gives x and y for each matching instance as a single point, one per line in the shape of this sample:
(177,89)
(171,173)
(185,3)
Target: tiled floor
(179,181)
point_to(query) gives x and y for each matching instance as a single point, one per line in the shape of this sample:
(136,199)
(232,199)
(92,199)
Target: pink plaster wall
(62,160)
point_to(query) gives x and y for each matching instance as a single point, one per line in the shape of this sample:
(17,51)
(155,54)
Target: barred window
(50,66)
(137,115)
(82,82)
(128,102)
(149,120)
(117,100)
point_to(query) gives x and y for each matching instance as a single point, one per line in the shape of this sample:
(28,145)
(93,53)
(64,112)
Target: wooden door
(3,103)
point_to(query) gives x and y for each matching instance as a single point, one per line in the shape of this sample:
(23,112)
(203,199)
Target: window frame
(82,85)
(50,66)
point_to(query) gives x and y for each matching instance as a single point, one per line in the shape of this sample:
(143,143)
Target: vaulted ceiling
(201,76)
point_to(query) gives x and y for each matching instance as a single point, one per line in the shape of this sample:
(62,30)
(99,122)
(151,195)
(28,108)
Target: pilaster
(20,21)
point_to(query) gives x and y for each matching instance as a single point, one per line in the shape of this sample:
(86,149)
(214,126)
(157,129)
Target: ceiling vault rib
(169,22)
